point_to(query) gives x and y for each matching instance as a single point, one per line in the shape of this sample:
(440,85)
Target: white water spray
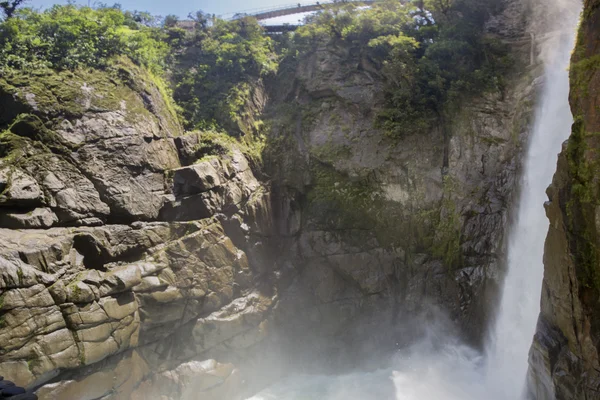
(441,368)
(519,309)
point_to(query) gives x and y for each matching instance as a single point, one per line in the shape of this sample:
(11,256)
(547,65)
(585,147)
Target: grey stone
(36,219)
(195,179)
(18,188)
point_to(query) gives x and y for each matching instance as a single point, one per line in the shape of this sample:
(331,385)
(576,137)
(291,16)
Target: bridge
(262,14)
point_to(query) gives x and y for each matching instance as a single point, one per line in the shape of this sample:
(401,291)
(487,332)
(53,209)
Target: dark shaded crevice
(22,207)
(446,137)
(10,109)
(94,253)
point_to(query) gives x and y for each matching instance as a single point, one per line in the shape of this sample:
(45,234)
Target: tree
(171,21)
(144,18)
(202,19)
(442,6)
(10,6)
(217,70)
(69,37)
(432,53)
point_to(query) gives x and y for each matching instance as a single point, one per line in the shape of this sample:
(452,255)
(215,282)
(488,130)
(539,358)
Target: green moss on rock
(56,95)
(448,231)
(582,197)
(341,202)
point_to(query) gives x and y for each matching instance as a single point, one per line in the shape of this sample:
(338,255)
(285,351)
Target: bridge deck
(292,9)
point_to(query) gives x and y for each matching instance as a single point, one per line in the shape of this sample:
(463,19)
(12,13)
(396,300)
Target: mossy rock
(339,202)
(56,95)
(214,144)
(583,154)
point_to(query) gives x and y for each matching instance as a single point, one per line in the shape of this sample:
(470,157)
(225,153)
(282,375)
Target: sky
(182,8)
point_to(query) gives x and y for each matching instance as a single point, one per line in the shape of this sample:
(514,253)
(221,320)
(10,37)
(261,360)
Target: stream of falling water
(515,325)
(440,367)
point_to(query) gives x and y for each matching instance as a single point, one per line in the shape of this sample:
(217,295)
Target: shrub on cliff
(216,72)
(68,37)
(431,53)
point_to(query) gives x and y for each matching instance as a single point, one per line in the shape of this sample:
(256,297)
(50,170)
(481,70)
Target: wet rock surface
(564,355)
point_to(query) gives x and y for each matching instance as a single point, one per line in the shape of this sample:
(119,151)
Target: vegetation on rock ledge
(68,37)
(431,53)
(218,70)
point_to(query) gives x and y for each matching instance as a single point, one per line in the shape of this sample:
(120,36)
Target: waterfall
(517,315)
(439,367)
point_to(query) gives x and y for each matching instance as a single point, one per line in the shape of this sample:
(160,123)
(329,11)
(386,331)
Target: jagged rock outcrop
(136,288)
(564,357)
(85,147)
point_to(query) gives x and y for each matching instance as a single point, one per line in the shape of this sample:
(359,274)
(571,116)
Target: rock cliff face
(564,356)
(138,261)
(111,301)
(393,226)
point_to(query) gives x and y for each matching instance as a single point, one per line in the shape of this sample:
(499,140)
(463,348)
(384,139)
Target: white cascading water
(440,367)
(519,309)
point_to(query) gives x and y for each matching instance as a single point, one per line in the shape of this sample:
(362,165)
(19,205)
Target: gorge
(441,367)
(354,210)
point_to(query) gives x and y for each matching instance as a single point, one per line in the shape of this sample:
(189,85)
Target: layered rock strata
(118,268)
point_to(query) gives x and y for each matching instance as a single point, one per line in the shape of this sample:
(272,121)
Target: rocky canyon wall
(141,261)
(125,246)
(394,226)
(564,355)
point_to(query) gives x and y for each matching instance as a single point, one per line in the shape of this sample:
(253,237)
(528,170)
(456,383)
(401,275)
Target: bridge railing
(253,11)
(291,6)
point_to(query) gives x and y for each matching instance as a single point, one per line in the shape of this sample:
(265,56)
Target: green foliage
(171,21)
(136,18)
(68,37)
(217,73)
(455,60)
(431,53)
(583,71)
(342,203)
(355,25)
(582,204)
(58,93)
(583,156)
(213,144)
(9,7)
